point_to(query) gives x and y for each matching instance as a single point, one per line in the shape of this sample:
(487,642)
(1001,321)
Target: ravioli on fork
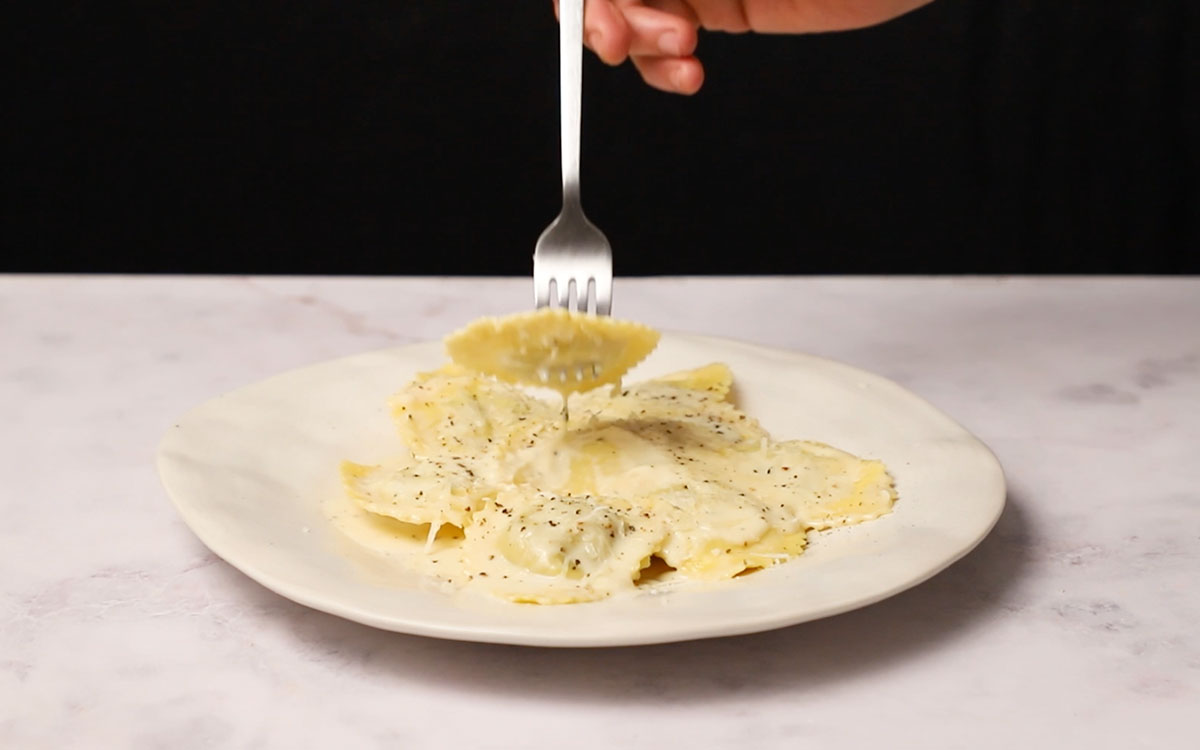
(551,347)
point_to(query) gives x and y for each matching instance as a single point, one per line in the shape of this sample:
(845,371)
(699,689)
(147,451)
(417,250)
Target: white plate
(250,470)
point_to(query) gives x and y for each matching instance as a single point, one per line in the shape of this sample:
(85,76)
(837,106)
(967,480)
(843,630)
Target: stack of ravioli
(518,499)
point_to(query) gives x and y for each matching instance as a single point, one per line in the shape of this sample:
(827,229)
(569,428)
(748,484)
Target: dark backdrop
(395,136)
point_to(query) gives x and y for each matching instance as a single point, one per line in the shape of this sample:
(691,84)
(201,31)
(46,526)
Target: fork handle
(570,54)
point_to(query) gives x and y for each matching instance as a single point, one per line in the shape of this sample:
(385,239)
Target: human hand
(659,36)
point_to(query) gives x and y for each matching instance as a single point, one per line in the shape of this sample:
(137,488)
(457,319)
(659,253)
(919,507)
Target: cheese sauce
(497,492)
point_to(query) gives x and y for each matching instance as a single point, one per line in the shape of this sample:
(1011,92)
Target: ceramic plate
(252,471)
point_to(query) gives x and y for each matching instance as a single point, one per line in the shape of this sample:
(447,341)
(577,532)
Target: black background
(403,137)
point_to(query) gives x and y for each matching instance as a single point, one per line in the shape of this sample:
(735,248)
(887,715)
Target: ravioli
(552,347)
(514,498)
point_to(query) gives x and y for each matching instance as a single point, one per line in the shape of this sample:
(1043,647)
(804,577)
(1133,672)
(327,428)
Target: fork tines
(572,297)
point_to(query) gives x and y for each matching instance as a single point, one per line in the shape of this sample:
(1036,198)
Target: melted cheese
(496,492)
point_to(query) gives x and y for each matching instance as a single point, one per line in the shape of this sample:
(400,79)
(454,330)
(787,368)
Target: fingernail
(677,78)
(669,43)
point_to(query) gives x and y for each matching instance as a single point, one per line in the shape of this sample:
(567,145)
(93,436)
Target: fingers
(660,39)
(663,40)
(677,75)
(657,33)
(605,31)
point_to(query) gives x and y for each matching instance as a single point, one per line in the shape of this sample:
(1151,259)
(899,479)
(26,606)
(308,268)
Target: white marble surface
(1073,625)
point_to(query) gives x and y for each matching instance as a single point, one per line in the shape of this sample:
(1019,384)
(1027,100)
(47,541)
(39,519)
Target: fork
(572,262)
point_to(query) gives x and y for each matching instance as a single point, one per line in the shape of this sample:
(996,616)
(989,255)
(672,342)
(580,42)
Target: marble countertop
(1073,625)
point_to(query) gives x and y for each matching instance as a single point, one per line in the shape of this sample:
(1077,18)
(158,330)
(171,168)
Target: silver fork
(572,262)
